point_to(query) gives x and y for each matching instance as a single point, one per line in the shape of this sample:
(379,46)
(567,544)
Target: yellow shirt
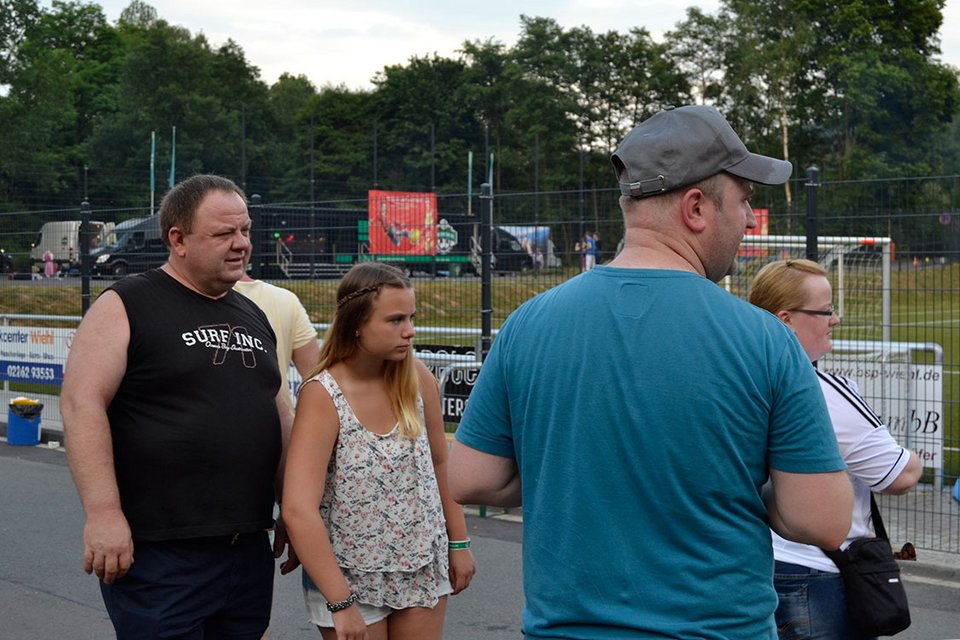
(287,317)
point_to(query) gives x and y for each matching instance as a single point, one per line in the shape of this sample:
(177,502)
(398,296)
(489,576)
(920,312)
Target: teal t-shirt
(643,408)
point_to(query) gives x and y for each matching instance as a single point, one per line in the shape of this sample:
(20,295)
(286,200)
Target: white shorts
(317,608)
(323,618)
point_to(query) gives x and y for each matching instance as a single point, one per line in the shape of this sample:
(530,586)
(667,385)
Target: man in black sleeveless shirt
(175,431)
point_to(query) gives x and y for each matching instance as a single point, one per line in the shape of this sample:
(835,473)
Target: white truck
(62,240)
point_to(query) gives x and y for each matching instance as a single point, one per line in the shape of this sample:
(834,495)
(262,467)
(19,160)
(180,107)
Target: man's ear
(692,204)
(176,236)
(785,316)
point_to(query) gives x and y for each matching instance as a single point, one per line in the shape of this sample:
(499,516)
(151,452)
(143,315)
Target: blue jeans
(812,604)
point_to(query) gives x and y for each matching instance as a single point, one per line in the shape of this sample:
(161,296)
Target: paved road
(44,593)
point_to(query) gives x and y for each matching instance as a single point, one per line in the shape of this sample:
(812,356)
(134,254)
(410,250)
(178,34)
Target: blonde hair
(778,286)
(356,294)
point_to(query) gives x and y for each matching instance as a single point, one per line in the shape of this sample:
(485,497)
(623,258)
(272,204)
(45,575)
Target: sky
(347,41)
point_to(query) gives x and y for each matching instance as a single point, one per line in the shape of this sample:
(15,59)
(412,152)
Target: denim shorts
(812,604)
(212,588)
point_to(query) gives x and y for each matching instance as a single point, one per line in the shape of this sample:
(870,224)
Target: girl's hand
(349,624)
(462,569)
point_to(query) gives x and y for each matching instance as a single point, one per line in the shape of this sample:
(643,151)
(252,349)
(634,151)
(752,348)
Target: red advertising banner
(762,229)
(402,223)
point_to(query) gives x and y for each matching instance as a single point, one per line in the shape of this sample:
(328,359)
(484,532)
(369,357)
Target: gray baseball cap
(683,145)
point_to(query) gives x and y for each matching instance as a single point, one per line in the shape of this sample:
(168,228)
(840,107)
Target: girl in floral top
(365,488)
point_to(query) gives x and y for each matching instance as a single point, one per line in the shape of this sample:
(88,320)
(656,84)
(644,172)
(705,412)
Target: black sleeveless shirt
(196,435)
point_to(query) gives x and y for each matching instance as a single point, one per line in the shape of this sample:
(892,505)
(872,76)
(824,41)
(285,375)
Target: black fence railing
(891,247)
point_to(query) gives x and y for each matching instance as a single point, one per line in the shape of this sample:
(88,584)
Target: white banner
(908,397)
(34,354)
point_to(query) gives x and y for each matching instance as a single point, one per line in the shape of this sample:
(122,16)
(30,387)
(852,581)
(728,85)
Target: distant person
(296,336)
(642,480)
(381,541)
(597,248)
(589,252)
(6,262)
(174,431)
(49,265)
(812,602)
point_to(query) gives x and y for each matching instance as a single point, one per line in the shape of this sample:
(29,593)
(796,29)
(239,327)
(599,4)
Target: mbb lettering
(925,424)
(930,425)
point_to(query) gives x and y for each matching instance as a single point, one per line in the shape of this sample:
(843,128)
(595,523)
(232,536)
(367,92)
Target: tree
(851,86)
(605,82)
(491,77)
(16,18)
(343,140)
(56,93)
(887,98)
(769,73)
(647,78)
(698,44)
(220,109)
(138,14)
(423,123)
(288,102)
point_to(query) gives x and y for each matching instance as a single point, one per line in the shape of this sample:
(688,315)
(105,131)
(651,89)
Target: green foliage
(423,124)
(63,61)
(16,18)
(343,140)
(852,87)
(138,14)
(697,45)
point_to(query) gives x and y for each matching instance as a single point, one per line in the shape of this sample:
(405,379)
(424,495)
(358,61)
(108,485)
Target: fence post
(812,185)
(486,255)
(84,257)
(256,238)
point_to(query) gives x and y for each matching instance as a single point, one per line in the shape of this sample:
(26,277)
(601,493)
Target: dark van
(508,254)
(138,248)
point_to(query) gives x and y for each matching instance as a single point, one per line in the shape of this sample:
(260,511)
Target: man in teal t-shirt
(639,430)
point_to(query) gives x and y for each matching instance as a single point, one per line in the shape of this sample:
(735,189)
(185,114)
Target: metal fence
(892,249)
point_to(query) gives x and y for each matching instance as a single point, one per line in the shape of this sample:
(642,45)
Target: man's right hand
(107,546)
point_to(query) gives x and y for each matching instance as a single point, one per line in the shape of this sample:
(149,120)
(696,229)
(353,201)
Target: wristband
(458,544)
(333,607)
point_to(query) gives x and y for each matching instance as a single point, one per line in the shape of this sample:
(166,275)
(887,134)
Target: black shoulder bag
(876,599)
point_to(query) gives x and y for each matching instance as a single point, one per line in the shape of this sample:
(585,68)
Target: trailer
(295,242)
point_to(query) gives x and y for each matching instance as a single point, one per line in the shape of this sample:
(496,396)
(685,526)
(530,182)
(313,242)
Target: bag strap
(878,527)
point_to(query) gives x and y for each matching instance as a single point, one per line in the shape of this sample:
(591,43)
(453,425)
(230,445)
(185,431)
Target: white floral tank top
(381,506)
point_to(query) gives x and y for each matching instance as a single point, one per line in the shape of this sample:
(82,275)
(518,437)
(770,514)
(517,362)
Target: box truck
(62,240)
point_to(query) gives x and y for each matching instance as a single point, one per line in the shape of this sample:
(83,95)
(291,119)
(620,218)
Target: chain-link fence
(891,247)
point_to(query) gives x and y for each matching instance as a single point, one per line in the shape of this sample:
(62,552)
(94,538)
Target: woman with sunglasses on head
(812,603)
(365,488)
